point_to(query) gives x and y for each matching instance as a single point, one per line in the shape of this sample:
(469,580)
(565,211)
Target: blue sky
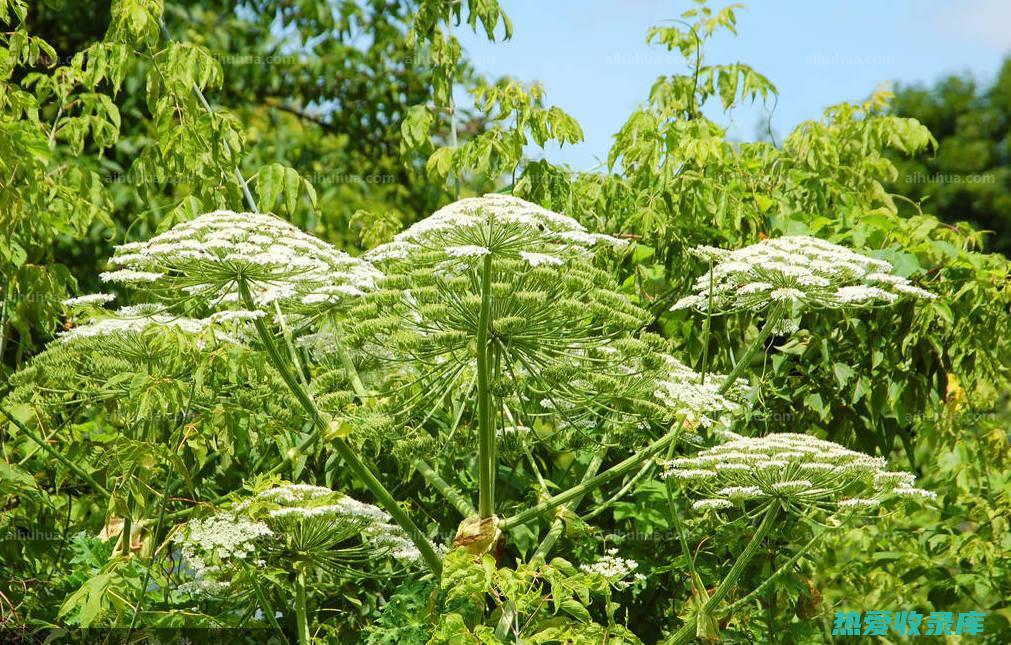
(592,59)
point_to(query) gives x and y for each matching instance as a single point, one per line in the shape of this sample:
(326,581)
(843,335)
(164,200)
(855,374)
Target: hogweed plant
(290,533)
(777,476)
(501,298)
(255,268)
(495,313)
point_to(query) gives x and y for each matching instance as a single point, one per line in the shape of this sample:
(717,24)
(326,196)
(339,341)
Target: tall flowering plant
(495,313)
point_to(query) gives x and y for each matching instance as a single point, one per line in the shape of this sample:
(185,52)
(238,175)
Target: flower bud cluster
(618,571)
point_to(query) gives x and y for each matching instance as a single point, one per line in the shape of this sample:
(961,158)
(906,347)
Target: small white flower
(857,502)
(507,431)
(714,504)
(740,492)
(786,295)
(914,492)
(755,287)
(241,315)
(793,485)
(711,253)
(910,290)
(615,569)
(693,474)
(861,293)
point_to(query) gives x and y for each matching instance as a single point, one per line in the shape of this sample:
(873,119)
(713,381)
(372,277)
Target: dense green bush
(718,390)
(967,179)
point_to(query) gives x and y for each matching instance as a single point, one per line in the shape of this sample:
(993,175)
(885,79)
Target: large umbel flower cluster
(798,269)
(494,267)
(798,470)
(500,225)
(204,259)
(285,524)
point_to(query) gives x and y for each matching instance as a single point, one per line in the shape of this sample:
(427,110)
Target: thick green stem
(461,503)
(754,545)
(675,517)
(632,481)
(709,320)
(486,428)
(52,452)
(349,368)
(125,543)
(139,603)
(558,525)
(649,451)
(592,483)
(347,453)
(301,613)
(786,566)
(742,364)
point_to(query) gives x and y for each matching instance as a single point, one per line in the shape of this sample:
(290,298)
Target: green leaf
(269,184)
(843,373)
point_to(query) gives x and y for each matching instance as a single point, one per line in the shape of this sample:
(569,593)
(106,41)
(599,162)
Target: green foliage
(536,603)
(967,179)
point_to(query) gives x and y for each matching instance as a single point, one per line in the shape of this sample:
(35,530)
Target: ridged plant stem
(301,610)
(55,454)
(486,427)
(688,630)
(558,525)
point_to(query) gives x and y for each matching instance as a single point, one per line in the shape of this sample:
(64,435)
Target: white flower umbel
(797,270)
(500,225)
(131,321)
(532,272)
(217,540)
(205,258)
(230,325)
(487,289)
(798,470)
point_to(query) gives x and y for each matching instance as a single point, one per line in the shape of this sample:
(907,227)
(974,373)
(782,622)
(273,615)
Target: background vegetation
(967,179)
